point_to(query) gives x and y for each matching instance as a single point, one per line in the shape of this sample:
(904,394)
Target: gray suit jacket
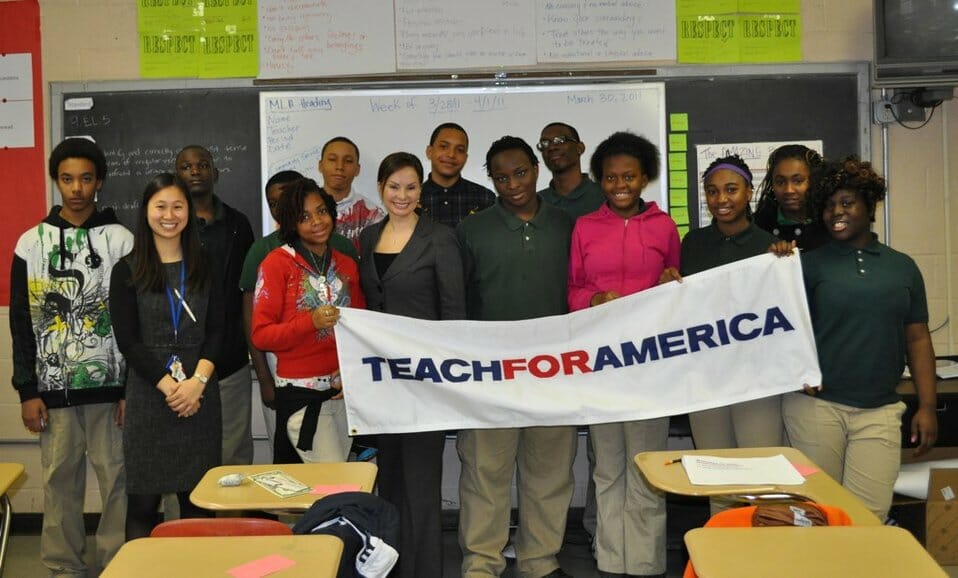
(425,280)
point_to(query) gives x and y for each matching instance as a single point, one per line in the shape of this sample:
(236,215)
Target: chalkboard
(142,131)
(294,125)
(777,108)
(142,124)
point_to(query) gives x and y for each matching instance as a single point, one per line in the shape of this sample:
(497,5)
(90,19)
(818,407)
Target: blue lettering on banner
(745,326)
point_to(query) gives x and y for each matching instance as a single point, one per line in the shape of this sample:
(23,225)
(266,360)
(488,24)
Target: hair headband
(731,167)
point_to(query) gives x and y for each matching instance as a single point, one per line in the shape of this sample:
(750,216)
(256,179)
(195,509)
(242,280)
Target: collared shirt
(860,301)
(582,200)
(807,236)
(706,247)
(451,205)
(515,269)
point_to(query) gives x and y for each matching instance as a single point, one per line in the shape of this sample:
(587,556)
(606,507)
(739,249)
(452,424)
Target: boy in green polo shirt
(516,259)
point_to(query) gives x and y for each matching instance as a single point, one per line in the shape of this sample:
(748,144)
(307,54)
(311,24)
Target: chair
(9,473)
(744,517)
(193,527)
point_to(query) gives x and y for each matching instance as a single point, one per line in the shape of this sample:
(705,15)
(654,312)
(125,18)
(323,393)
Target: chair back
(190,527)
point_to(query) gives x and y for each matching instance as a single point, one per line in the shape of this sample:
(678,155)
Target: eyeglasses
(554,141)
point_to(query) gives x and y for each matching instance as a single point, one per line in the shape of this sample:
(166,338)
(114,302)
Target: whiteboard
(295,125)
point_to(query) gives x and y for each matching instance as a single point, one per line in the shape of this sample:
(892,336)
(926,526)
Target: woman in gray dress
(168,324)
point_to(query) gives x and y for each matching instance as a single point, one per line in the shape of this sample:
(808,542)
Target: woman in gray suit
(411,266)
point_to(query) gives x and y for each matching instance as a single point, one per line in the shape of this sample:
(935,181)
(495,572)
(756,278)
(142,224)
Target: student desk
(823,552)
(210,495)
(9,473)
(818,487)
(314,556)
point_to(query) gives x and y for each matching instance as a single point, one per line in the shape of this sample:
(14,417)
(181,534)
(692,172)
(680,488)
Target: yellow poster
(197,38)
(727,31)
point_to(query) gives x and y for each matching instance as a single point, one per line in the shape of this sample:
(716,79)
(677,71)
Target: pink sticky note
(806,470)
(262,567)
(327,489)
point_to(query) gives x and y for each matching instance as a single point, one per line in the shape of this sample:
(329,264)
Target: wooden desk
(249,496)
(818,487)
(315,556)
(823,552)
(9,473)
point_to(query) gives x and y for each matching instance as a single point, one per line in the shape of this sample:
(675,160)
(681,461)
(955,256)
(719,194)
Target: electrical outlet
(882,112)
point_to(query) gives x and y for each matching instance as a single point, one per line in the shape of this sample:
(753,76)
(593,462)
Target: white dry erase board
(295,125)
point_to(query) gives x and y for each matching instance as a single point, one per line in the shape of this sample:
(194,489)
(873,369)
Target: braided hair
(767,203)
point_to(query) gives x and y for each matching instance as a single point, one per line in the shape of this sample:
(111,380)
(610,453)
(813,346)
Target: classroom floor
(23,555)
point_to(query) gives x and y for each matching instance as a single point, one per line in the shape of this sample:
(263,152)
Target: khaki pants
(751,424)
(236,406)
(543,456)
(858,447)
(73,434)
(331,442)
(630,536)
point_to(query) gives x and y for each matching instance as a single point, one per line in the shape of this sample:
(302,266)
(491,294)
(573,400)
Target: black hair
(147,269)
(77,148)
(626,143)
(445,125)
(336,139)
(575,133)
(196,147)
(767,203)
(289,210)
(398,161)
(852,174)
(507,143)
(282,178)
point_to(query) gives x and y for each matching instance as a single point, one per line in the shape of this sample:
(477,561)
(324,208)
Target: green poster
(677,162)
(193,38)
(230,46)
(771,37)
(679,122)
(678,197)
(727,31)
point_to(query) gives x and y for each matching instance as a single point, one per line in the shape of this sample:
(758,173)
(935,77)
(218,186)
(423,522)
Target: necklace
(320,267)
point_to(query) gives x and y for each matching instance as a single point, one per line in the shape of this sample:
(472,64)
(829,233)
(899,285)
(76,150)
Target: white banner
(727,335)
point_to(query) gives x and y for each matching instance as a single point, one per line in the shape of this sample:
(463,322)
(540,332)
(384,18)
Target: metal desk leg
(5,532)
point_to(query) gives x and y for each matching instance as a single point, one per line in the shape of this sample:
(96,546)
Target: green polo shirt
(582,200)
(262,247)
(515,269)
(706,247)
(860,301)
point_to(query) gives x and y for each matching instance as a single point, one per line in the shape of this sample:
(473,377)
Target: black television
(916,43)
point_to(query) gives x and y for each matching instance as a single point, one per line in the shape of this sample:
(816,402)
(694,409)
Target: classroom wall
(93,40)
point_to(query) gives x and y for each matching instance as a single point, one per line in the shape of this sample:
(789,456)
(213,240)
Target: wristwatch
(202,378)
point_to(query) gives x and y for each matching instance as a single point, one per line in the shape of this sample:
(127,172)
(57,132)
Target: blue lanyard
(177,312)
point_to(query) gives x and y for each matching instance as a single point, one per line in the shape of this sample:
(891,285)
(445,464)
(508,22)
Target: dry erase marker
(675,461)
(186,305)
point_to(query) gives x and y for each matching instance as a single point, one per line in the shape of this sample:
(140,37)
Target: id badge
(175,367)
